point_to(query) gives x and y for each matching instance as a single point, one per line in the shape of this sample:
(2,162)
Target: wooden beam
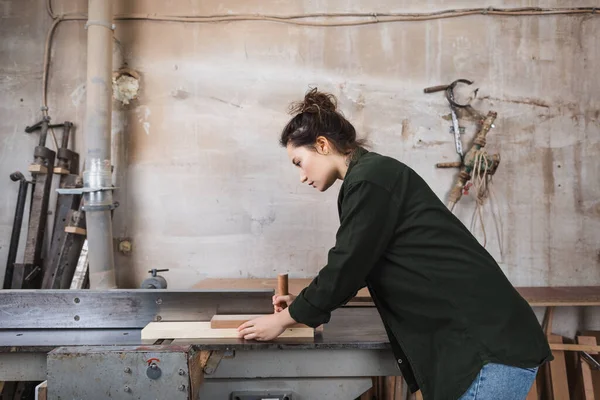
(42,391)
(202,330)
(535,296)
(399,389)
(390,387)
(559,386)
(369,394)
(574,347)
(547,322)
(595,373)
(586,371)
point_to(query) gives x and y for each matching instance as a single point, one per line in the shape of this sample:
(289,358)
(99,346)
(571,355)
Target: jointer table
(87,345)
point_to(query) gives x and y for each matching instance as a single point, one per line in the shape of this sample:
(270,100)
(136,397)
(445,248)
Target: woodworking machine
(87,345)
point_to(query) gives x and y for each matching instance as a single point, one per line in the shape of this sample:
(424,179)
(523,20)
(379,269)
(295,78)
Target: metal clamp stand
(16,230)
(27,275)
(69,223)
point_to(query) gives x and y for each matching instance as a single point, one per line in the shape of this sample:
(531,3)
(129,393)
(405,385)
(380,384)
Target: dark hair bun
(314,102)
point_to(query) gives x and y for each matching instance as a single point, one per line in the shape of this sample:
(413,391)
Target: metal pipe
(16,229)
(98,205)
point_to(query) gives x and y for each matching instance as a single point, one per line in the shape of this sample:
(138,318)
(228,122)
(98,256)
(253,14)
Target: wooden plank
(535,296)
(586,371)
(558,372)
(561,296)
(61,171)
(40,169)
(574,347)
(202,330)
(595,373)
(233,321)
(76,230)
(369,394)
(547,322)
(572,363)
(399,389)
(390,387)
(196,365)
(81,271)
(42,391)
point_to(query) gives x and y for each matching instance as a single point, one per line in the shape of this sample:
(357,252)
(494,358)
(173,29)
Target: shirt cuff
(305,313)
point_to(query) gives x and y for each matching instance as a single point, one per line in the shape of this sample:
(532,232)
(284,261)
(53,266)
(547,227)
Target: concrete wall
(207,192)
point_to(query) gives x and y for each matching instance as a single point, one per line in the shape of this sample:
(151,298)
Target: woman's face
(317,166)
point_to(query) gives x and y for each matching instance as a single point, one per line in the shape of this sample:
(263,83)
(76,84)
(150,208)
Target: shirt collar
(355,157)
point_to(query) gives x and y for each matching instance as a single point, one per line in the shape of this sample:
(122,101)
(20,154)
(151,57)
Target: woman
(457,327)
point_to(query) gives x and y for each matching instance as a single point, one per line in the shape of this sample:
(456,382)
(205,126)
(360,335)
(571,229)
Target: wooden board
(586,371)
(61,171)
(202,330)
(42,391)
(233,321)
(37,169)
(559,386)
(595,373)
(561,296)
(369,394)
(575,347)
(76,230)
(535,296)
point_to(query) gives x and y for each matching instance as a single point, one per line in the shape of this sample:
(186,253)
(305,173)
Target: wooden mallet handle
(282,287)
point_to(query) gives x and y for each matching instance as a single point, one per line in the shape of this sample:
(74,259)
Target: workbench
(87,345)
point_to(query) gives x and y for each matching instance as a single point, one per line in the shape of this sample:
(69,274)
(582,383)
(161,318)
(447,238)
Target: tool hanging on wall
(455,129)
(475,160)
(476,166)
(476,163)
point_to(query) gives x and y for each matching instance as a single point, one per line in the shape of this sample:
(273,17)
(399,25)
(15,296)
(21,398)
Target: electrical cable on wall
(333,20)
(481,180)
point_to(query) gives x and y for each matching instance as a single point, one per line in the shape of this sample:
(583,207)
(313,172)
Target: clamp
(449,89)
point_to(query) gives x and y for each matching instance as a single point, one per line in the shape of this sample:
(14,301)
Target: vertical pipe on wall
(98,204)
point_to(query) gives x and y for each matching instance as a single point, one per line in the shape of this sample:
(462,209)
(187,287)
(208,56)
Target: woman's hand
(279,301)
(267,327)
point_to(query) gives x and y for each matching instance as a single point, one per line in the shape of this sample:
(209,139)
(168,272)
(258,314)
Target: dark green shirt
(447,306)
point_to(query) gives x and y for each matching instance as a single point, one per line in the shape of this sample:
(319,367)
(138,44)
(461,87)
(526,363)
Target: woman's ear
(322,145)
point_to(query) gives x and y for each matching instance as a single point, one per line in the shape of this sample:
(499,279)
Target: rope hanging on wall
(481,182)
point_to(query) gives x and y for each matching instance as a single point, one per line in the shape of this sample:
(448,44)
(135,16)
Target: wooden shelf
(536,296)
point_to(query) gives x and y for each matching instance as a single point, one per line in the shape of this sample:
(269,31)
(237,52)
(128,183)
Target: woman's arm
(368,220)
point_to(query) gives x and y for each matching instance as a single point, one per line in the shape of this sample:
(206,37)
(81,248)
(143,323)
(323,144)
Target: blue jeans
(501,382)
